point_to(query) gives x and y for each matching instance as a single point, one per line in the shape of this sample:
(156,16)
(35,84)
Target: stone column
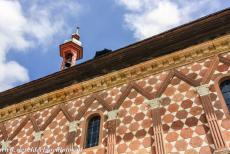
(111,125)
(158,146)
(71,136)
(217,137)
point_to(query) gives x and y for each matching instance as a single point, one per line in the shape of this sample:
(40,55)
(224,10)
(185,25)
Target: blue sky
(31,30)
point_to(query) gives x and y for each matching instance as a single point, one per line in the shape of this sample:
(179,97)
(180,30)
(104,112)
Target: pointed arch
(165,83)
(19,128)
(163,87)
(186,79)
(88,103)
(34,123)
(209,73)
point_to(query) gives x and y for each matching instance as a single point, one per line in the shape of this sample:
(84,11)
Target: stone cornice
(154,66)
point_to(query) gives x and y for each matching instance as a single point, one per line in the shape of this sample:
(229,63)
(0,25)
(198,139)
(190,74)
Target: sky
(32,30)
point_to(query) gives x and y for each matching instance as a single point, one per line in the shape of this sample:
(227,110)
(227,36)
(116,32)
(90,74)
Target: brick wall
(183,124)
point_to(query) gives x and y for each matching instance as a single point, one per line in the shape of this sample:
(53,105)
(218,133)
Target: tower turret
(71,50)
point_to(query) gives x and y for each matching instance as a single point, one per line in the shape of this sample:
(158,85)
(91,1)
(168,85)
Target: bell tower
(71,50)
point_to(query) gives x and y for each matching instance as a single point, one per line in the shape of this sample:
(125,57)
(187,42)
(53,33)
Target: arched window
(93,132)
(225,89)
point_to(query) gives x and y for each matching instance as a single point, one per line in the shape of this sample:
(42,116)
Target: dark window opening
(68,60)
(93,131)
(225,89)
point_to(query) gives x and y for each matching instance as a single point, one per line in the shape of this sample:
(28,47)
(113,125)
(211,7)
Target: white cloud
(149,17)
(131,5)
(23,26)
(12,72)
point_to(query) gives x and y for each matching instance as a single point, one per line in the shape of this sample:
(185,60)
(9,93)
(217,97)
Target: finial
(76,34)
(78,30)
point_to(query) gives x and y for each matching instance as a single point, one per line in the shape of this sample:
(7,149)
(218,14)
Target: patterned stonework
(174,94)
(134,132)
(184,123)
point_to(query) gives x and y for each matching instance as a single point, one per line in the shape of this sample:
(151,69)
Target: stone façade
(169,104)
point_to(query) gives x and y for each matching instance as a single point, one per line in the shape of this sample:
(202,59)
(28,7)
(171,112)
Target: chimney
(71,50)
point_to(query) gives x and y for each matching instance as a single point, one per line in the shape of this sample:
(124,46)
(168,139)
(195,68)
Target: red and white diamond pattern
(185,128)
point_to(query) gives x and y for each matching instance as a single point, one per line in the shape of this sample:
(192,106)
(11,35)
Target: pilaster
(72,132)
(37,136)
(217,136)
(5,146)
(37,139)
(158,146)
(111,125)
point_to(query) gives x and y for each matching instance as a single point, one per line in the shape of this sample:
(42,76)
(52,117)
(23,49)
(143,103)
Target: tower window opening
(68,60)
